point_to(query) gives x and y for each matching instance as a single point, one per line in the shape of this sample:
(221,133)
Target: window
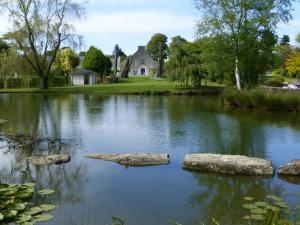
(142,61)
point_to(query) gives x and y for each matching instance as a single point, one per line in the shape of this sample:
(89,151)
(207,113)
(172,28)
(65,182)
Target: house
(82,76)
(142,64)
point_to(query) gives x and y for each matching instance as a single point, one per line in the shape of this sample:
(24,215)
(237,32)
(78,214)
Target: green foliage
(157,48)
(285,40)
(274,82)
(184,64)
(3,46)
(66,61)
(298,38)
(16,206)
(96,61)
(265,100)
(58,81)
(293,63)
(13,83)
(119,51)
(2,83)
(247,40)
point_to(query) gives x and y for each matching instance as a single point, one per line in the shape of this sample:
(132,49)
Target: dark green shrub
(2,83)
(58,81)
(274,82)
(261,99)
(13,82)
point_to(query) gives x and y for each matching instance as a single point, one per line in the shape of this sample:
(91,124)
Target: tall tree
(241,23)
(42,26)
(96,61)
(285,40)
(157,48)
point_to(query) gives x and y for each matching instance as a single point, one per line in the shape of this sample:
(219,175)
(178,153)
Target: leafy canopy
(96,61)
(157,47)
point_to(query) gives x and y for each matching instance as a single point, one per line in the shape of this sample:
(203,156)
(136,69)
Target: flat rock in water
(228,164)
(290,169)
(49,160)
(134,159)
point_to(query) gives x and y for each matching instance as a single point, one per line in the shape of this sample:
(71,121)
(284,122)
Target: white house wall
(78,80)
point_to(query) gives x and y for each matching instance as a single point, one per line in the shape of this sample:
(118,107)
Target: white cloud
(136,22)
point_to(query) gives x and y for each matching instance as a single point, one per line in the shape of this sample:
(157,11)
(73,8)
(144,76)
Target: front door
(86,79)
(143,71)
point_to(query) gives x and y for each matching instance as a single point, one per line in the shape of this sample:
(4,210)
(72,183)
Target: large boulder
(134,159)
(228,164)
(49,160)
(290,169)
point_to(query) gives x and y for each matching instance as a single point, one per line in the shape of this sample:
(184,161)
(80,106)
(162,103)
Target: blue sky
(130,23)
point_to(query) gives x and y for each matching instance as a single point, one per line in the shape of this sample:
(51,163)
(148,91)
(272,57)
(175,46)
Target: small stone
(291,169)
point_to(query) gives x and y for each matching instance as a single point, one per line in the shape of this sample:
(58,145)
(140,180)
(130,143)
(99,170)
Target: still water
(90,192)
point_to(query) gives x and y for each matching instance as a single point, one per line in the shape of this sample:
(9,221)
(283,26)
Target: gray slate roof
(82,71)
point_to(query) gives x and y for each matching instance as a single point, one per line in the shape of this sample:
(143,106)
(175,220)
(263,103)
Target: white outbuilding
(82,76)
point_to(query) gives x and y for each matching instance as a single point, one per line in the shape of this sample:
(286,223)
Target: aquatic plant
(16,206)
(272,211)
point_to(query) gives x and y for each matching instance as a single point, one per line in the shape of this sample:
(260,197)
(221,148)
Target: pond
(91,192)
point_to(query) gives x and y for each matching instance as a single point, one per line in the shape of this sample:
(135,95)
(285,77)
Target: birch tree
(241,22)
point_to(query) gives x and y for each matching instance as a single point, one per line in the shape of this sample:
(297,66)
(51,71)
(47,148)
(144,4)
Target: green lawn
(134,85)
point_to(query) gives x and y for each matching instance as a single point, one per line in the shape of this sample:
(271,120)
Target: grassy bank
(268,100)
(135,85)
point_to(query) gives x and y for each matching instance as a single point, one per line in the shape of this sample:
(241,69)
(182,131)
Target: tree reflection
(222,197)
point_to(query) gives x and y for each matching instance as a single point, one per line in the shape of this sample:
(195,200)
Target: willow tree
(241,23)
(40,28)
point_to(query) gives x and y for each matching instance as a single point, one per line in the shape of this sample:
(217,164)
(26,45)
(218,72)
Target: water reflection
(94,191)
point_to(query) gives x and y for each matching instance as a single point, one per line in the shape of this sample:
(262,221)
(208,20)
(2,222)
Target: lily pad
(47,207)
(282,205)
(247,218)
(261,204)
(275,198)
(34,211)
(19,207)
(259,211)
(249,206)
(29,185)
(43,218)
(46,192)
(28,223)
(249,199)
(258,217)
(11,214)
(24,218)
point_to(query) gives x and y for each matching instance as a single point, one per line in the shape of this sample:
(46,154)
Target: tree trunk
(160,68)
(237,75)
(127,66)
(44,83)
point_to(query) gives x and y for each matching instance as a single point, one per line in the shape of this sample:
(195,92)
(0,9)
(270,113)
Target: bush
(13,82)
(30,82)
(58,81)
(274,82)
(260,99)
(2,83)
